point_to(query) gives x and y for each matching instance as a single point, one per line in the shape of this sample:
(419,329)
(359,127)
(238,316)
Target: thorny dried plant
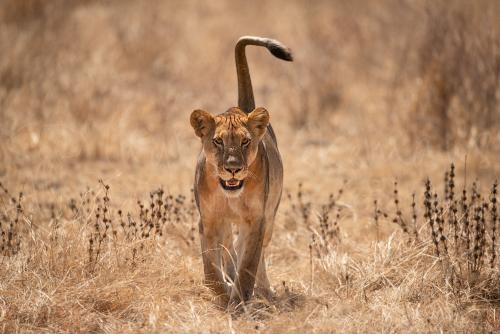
(325,234)
(463,231)
(107,229)
(299,206)
(321,221)
(11,214)
(111,228)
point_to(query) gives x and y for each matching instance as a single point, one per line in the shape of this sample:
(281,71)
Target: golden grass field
(378,92)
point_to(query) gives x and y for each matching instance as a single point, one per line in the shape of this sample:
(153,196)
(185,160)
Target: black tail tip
(280,51)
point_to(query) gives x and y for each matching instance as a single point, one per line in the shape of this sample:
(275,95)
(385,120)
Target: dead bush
(458,67)
(461,227)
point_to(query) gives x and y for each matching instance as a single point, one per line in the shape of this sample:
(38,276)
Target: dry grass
(102,90)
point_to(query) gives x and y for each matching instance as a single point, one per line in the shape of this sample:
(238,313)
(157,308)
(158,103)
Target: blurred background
(377,90)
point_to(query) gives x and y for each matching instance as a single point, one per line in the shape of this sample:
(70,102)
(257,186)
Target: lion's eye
(218,141)
(245,142)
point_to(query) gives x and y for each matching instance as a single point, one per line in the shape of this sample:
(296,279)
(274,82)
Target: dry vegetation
(94,104)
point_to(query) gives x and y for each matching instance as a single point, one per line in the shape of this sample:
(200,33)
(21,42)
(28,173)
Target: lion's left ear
(258,121)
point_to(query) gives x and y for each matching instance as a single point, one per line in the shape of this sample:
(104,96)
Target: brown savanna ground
(379,91)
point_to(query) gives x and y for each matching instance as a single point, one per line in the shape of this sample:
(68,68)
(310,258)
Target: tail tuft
(280,51)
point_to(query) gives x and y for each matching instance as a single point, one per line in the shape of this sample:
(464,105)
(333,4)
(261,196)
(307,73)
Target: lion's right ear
(202,122)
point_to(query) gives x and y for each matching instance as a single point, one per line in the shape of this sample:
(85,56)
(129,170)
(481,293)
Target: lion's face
(230,142)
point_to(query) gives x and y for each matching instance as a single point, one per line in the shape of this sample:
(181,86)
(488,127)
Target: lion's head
(230,142)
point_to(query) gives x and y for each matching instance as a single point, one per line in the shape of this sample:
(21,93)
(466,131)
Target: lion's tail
(245,92)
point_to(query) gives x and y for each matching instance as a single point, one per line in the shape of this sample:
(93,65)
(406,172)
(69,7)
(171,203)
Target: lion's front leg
(229,255)
(249,251)
(262,285)
(211,241)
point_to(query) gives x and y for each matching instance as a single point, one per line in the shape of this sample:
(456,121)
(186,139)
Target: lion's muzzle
(231,184)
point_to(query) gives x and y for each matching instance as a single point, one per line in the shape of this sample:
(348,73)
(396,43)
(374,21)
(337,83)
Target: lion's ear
(258,121)
(202,122)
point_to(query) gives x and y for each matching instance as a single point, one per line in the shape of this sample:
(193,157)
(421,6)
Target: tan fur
(238,146)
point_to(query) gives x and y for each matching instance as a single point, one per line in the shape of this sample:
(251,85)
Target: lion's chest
(237,209)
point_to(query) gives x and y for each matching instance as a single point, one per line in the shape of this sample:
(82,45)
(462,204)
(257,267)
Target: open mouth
(232,184)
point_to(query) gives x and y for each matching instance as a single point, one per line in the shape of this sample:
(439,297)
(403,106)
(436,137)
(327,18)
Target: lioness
(239,179)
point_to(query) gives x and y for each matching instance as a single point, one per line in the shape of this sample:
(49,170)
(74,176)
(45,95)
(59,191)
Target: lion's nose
(232,165)
(233,170)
